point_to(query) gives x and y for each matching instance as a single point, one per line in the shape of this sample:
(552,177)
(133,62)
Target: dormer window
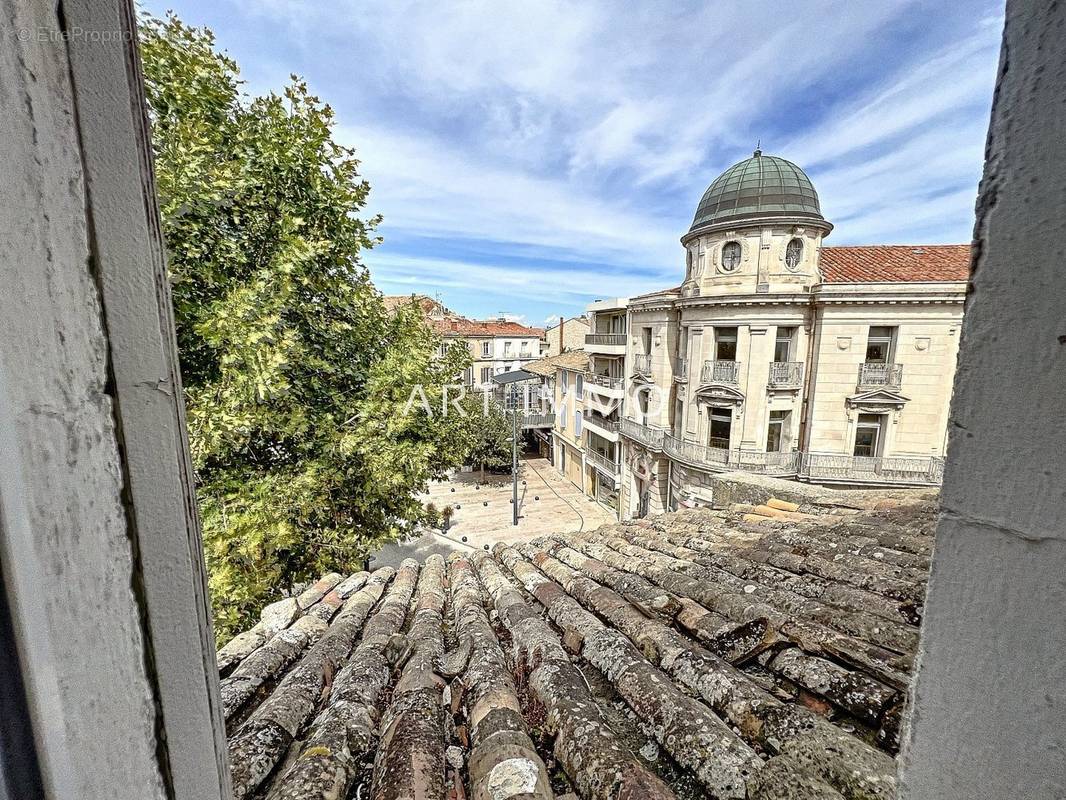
(793,254)
(730,256)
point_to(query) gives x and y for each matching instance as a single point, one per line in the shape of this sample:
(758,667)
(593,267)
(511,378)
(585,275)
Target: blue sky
(529,157)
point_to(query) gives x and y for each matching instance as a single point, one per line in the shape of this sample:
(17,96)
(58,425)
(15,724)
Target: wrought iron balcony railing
(878,375)
(786,375)
(723,458)
(720,372)
(600,421)
(642,363)
(647,435)
(606,339)
(603,462)
(815,467)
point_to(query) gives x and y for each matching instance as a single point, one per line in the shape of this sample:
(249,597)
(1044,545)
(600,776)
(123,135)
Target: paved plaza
(547,503)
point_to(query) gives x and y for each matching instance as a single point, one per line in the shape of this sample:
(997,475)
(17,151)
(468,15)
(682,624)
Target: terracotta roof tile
(765,660)
(571,359)
(895,263)
(473,327)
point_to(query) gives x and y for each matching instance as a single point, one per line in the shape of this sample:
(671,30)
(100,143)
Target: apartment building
(777,354)
(496,346)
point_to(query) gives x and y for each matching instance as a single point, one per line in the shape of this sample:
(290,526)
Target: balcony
(610,344)
(720,372)
(785,375)
(888,470)
(681,370)
(603,463)
(601,425)
(647,435)
(606,386)
(877,375)
(722,459)
(642,364)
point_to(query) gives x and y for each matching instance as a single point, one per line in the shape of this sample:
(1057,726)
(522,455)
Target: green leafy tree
(489,444)
(295,375)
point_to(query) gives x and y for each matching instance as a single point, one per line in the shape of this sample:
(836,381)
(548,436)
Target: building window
(880,344)
(777,433)
(565,382)
(679,417)
(642,406)
(721,425)
(731,254)
(645,340)
(725,344)
(688,264)
(783,345)
(793,254)
(868,435)
(562,416)
(486,374)
(486,348)
(579,387)
(577,422)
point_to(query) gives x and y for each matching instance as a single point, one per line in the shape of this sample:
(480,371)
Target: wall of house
(573,332)
(762,260)
(102,568)
(664,331)
(756,338)
(926,347)
(990,692)
(567,404)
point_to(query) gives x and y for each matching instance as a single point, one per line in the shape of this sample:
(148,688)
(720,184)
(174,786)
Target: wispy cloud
(533,156)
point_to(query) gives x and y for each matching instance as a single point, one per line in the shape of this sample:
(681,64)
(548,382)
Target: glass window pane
(773,437)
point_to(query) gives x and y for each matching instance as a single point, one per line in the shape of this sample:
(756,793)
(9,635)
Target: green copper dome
(757,187)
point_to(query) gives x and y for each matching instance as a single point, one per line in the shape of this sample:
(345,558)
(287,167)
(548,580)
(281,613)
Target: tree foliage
(490,445)
(294,373)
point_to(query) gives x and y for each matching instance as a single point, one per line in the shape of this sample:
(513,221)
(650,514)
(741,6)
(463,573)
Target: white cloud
(515,137)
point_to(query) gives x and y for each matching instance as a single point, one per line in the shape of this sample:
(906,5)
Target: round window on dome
(730,256)
(793,254)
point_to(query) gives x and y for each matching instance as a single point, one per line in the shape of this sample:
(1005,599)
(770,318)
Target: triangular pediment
(720,392)
(880,398)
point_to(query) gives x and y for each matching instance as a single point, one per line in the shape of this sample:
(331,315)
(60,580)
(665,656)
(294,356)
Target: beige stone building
(777,354)
(496,346)
(565,335)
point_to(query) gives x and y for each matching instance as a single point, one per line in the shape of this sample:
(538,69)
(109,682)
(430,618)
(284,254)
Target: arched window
(730,256)
(793,254)
(688,264)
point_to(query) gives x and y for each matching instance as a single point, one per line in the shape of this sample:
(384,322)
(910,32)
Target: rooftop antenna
(758,148)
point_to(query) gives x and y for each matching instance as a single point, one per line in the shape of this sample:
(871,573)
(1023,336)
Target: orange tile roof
(895,263)
(473,327)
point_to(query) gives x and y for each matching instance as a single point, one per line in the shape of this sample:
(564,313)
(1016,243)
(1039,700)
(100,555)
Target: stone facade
(566,335)
(778,355)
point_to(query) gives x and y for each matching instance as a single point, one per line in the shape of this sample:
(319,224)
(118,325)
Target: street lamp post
(514,467)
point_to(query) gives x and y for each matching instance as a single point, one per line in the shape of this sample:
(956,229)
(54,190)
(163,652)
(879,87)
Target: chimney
(561,340)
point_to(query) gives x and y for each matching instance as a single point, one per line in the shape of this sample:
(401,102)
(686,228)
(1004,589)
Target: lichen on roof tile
(758,661)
